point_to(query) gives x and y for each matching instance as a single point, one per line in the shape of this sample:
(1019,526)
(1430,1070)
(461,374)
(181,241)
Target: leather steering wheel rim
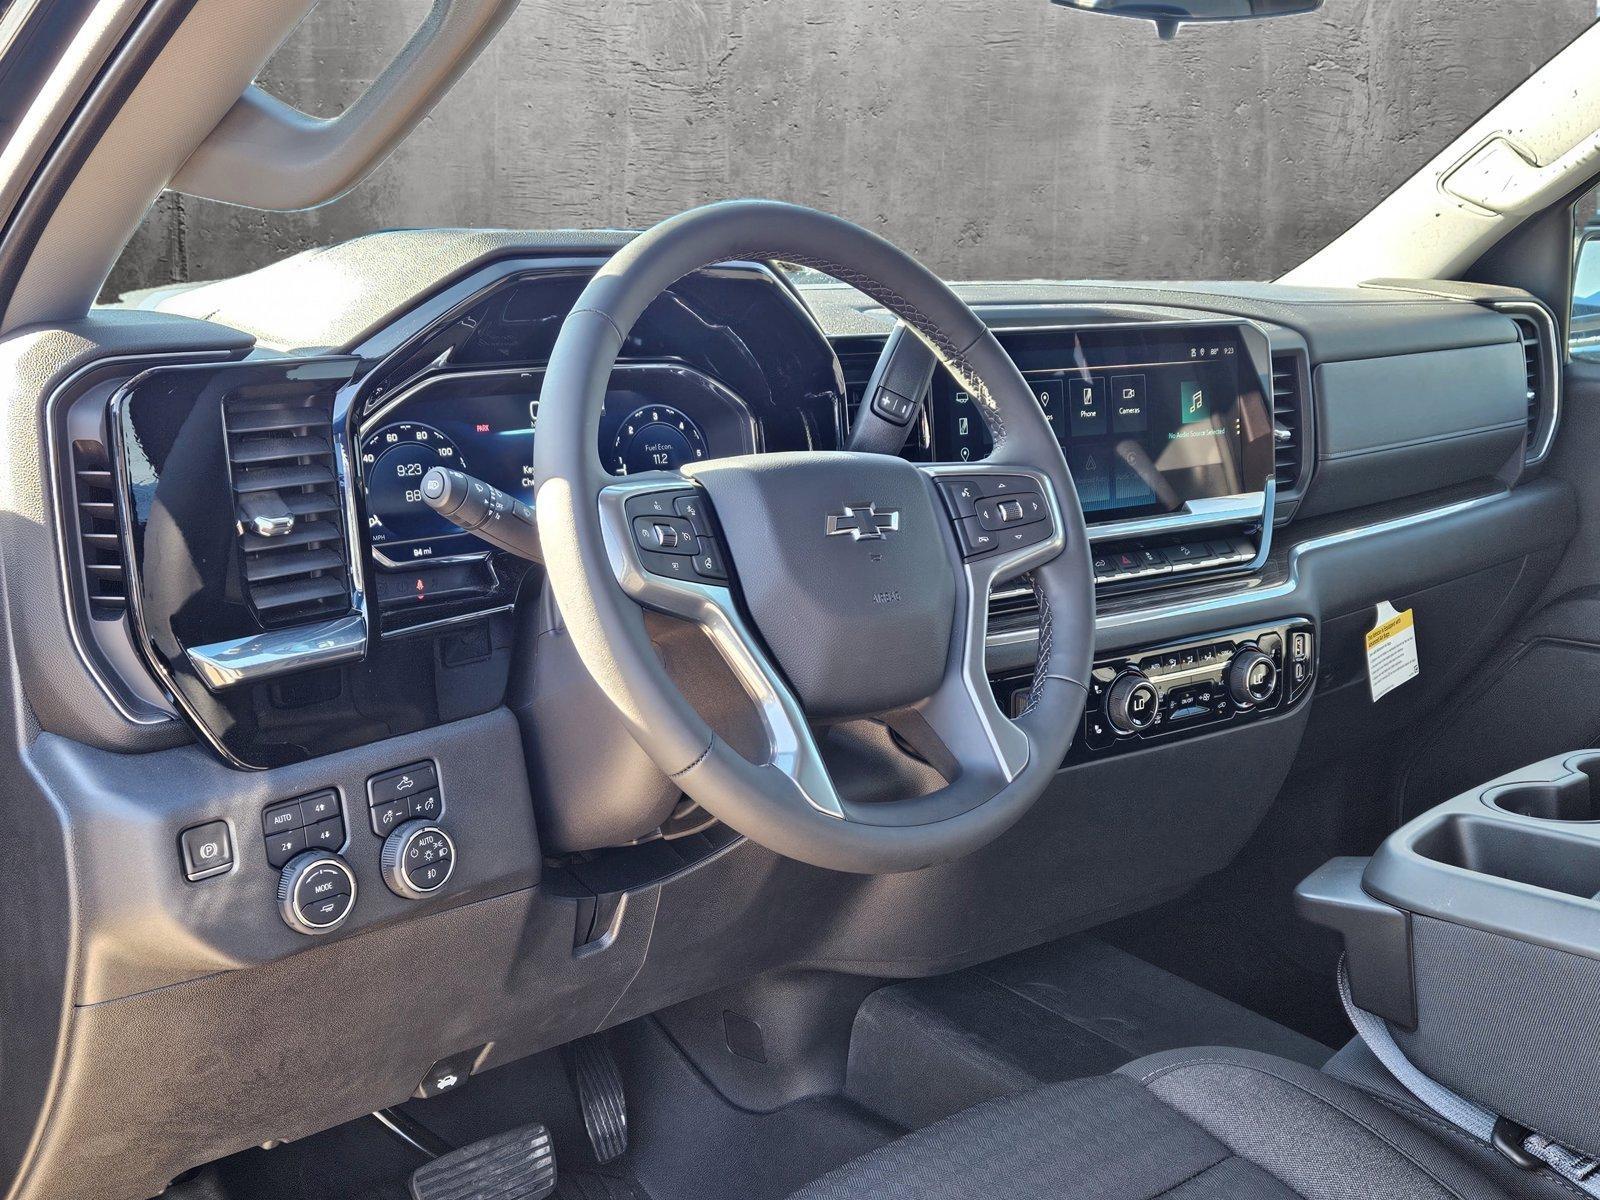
(600,590)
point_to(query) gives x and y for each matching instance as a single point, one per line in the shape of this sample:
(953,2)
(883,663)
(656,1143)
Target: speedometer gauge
(394,458)
(656,437)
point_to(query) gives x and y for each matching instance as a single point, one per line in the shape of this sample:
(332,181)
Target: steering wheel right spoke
(698,590)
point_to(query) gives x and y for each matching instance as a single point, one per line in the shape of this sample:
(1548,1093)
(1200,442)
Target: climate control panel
(1186,687)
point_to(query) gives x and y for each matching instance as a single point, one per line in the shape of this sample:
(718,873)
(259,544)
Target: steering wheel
(836,585)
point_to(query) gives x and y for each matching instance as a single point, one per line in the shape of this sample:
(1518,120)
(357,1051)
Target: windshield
(993,139)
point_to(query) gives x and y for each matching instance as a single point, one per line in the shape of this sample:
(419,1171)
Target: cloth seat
(1210,1124)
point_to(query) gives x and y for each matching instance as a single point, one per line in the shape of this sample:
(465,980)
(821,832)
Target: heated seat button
(207,850)
(402,781)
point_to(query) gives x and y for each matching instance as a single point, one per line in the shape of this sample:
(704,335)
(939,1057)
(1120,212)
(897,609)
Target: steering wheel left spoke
(698,590)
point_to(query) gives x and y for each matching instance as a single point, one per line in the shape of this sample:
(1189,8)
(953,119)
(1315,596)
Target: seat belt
(1526,1149)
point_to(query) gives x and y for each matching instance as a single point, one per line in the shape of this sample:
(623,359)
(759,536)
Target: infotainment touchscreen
(1149,417)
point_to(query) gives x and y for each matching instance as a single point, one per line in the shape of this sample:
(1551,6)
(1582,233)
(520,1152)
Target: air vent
(1288,421)
(1535,331)
(280,452)
(105,573)
(858,357)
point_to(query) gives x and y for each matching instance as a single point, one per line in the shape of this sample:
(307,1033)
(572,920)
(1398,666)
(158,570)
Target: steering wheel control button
(669,534)
(1000,512)
(975,539)
(893,407)
(207,850)
(316,892)
(693,509)
(1133,704)
(961,496)
(1006,485)
(672,566)
(1252,677)
(708,562)
(418,859)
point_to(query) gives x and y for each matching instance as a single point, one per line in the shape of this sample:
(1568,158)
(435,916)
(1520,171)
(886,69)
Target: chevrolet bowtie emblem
(864,522)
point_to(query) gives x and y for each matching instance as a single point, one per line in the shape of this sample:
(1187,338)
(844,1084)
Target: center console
(1474,931)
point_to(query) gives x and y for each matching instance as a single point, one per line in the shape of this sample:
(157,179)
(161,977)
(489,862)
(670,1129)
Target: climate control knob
(1132,703)
(417,859)
(1252,677)
(317,892)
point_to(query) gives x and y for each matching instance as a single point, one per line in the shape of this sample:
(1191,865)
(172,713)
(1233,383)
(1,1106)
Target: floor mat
(1227,945)
(923,1050)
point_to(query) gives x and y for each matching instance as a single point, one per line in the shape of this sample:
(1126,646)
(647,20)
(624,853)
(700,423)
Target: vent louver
(1533,358)
(1287,421)
(280,453)
(105,573)
(857,357)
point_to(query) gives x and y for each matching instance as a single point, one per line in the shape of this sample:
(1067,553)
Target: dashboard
(1247,508)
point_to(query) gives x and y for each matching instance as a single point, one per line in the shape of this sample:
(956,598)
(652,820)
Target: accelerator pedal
(519,1165)
(598,1081)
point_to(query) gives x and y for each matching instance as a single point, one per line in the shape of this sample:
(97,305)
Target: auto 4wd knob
(316,892)
(1252,677)
(1132,703)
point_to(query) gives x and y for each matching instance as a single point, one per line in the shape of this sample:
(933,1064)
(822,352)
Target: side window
(1585,321)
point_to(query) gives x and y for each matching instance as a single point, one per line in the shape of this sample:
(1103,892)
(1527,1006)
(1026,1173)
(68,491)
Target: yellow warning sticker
(1391,651)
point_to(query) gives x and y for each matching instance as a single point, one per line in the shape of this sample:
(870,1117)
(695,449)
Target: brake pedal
(519,1165)
(598,1081)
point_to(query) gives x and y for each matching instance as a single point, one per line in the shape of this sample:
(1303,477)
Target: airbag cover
(858,619)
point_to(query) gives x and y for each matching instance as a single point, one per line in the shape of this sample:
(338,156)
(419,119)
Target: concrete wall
(994,138)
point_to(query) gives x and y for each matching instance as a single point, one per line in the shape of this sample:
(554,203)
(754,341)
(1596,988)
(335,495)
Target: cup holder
(1573,797)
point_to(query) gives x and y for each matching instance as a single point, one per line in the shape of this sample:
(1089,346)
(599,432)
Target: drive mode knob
(1132,704)
(418,858)
(317,892)
(1252,677)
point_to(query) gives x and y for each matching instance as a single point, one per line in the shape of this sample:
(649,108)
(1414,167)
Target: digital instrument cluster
(658,417)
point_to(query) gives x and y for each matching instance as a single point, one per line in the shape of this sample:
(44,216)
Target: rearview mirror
(1167,15)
